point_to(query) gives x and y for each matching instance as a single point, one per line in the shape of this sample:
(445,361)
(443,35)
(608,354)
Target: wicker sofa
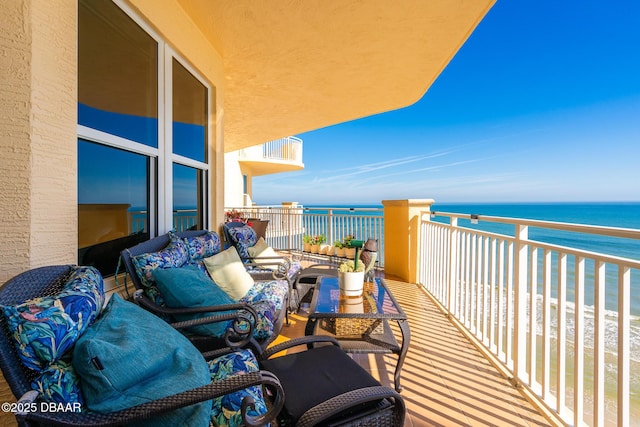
(263,307)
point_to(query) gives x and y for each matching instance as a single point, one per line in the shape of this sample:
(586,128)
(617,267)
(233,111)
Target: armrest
(343,402)
(309,341)
(240,333)
(169,403)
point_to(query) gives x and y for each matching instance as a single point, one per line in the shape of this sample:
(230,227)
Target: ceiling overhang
(295,66)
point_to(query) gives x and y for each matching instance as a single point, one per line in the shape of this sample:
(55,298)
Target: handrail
(557,317)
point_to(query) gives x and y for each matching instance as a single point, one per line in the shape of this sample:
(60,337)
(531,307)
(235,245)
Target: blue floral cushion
(174,255)
(58,383)
(226,409)
(266,312)
(275,291)
(200,247)
(242,237)
(45,328)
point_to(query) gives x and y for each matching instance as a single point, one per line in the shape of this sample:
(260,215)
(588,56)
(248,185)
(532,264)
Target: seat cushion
(58,383)
(46,328)
(174,255)
(226,409)
(329,370)
(228,272)
(129,357)
(188,287)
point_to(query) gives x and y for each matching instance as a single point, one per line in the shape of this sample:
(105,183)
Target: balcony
(280,155)
(558,321)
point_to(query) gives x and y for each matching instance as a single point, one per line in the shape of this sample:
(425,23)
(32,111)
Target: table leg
(406,338)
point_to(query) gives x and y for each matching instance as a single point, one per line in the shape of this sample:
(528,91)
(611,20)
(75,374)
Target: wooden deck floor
(446,380)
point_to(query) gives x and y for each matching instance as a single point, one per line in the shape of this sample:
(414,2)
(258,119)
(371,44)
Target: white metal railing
(560,319)
(287,225)
(284,149)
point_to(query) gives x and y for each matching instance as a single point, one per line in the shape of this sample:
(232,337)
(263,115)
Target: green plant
(338,244)
(306,239)
(318,239)
(346,241)
(348,267)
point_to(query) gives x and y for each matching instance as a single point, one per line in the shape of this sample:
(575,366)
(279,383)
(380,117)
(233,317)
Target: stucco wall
(37,134)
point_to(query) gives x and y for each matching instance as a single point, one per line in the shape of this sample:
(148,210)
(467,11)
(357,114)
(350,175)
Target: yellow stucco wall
(38,122)
(402,236)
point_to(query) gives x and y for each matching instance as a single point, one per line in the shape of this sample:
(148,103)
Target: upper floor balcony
(280,155)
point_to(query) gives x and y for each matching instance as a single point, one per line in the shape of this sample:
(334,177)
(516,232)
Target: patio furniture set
(196,348)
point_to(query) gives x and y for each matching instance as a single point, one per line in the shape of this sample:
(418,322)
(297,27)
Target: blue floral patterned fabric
(200,247)
(226,409)
(243,237)
(266,312)
(58,383)
(174,255)
(275,291)
(45,328)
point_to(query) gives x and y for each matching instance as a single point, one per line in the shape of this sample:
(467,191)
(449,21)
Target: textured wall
(37,134)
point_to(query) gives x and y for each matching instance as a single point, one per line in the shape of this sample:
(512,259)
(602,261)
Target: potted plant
(339,249)
(316,241)
(349,251)
(306,242)
(351,278)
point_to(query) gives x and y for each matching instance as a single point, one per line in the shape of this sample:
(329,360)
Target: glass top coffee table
(360,324)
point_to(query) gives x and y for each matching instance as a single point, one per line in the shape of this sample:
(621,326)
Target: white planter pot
(351,283)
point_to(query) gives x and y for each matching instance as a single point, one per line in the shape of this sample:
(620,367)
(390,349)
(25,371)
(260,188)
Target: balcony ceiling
(293,66)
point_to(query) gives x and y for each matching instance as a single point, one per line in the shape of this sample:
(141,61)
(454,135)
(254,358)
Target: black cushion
(314,376)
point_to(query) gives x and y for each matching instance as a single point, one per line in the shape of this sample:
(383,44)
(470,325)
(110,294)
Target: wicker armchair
(47,281)
(242,313)
(324,386)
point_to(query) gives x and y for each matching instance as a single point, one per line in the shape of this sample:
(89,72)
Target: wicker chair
(49,281)
(234,337)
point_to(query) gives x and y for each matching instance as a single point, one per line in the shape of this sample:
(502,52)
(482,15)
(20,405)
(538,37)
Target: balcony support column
(402,236)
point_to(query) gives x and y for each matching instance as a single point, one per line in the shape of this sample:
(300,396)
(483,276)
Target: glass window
(113,203)
(188,200)
(189,114)
(117,74)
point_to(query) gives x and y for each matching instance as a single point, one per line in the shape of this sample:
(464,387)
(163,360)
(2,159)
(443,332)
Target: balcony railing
(283,149)
(559,318)
(287,225)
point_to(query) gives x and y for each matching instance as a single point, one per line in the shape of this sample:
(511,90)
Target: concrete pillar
(402,237)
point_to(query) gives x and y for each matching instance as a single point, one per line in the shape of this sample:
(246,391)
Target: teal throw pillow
(189,287)
(129,357)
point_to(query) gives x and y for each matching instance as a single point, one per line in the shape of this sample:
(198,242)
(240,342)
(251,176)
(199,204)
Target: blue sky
(541,104)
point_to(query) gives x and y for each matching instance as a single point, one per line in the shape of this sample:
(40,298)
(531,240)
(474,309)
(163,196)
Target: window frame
(163,158)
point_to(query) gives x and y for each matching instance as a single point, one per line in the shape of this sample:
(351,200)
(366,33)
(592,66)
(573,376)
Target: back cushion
(46,328)
(188,287)
(129,357)
(242,237)
(200,247)
(174,255)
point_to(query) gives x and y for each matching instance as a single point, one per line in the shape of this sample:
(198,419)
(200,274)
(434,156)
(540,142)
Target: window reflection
(189,114)
(188,200)
(113,205)
(117,74)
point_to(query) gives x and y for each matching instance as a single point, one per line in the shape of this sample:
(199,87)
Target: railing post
(453,256)
(520,302)
(402,233)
